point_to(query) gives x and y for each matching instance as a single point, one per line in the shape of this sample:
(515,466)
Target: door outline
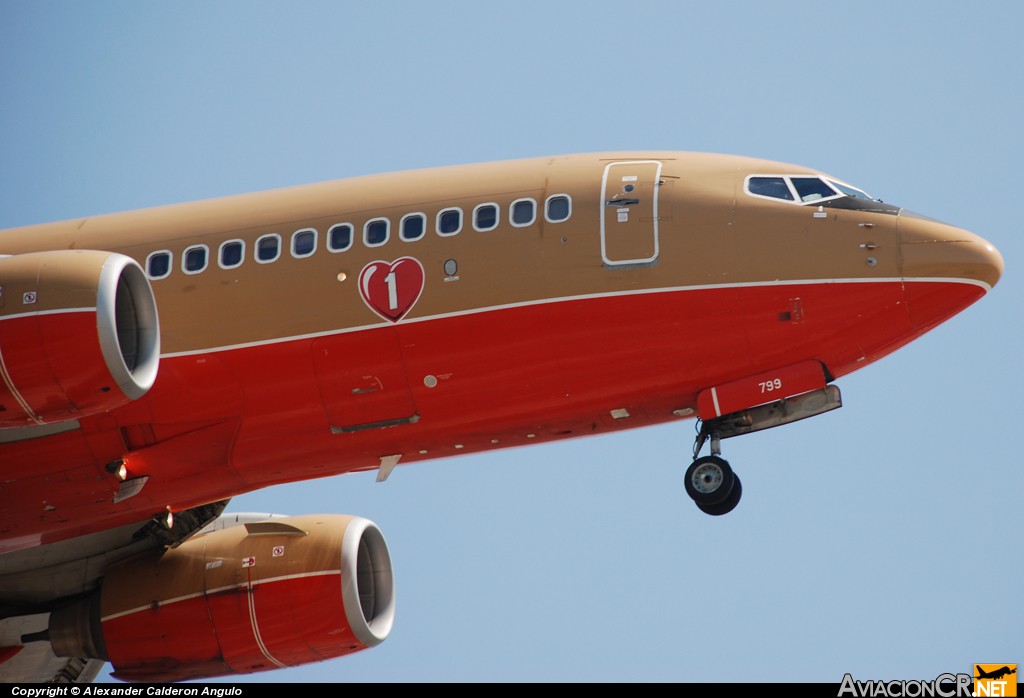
(607,205)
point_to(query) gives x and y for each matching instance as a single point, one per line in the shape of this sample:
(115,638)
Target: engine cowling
(79,335)
(249,598)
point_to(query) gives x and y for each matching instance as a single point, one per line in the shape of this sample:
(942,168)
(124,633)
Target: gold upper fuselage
(706,230)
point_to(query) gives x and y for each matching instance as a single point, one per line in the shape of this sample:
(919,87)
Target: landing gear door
(629,212)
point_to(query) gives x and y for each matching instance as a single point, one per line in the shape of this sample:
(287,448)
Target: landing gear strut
(710,481)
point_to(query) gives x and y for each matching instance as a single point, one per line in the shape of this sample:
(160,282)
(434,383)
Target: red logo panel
(391,289)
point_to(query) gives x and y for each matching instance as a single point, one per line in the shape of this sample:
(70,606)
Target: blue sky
(882,539)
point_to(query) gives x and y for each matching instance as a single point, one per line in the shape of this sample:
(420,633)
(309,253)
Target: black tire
(729,504)
(709,480)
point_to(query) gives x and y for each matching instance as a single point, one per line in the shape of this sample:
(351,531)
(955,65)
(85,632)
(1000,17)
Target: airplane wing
(32,579)
(35,662)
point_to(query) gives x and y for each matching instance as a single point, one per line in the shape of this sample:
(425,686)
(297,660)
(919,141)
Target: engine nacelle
(78,335)
(260,596)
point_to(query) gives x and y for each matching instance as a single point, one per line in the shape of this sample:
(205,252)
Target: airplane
(156,363)
(995,674)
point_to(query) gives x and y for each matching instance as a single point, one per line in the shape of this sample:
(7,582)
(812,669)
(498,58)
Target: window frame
(184,259)
(387,231)
(256,248)
(351,238)
(497,216)
(837,184)
(220,253)
(295,235)
(462,221)
(821,180)
(547,208)
(401,226)
(511,212)
(170,264)
(793,198)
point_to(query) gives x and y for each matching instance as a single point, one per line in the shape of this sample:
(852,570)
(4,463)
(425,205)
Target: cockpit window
(850,191)
(812,188)
(774,187)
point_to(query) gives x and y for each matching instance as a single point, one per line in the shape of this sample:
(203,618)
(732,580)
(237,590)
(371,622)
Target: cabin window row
(376,232)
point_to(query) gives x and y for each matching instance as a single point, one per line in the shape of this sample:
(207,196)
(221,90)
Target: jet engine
(253,597)
(78,335)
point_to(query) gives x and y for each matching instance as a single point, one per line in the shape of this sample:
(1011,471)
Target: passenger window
(194,259)
(449,221)
(268,248)
(158,265)
(485,217)
(412,226)
(339,237)
(523,212)
(231,254)
(558,208)
(303,242)
(376,231)
(812,188)
(774,187)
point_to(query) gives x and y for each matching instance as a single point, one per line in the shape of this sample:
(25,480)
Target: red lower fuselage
(230,421)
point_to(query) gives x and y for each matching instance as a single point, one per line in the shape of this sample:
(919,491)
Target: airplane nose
(945,268)
(932,250)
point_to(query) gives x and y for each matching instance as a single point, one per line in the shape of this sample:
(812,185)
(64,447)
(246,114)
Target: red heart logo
(391,289)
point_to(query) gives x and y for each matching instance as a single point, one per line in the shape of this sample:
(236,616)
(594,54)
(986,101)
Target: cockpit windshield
(801,189)
(812,188)
(850,191)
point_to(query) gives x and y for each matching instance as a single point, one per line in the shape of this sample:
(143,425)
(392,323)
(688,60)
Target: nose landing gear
(710,481)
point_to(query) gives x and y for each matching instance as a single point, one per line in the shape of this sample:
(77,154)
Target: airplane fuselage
(574,295)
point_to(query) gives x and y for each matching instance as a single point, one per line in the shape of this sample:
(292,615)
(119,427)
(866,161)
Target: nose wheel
(710,481)
(713,486)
